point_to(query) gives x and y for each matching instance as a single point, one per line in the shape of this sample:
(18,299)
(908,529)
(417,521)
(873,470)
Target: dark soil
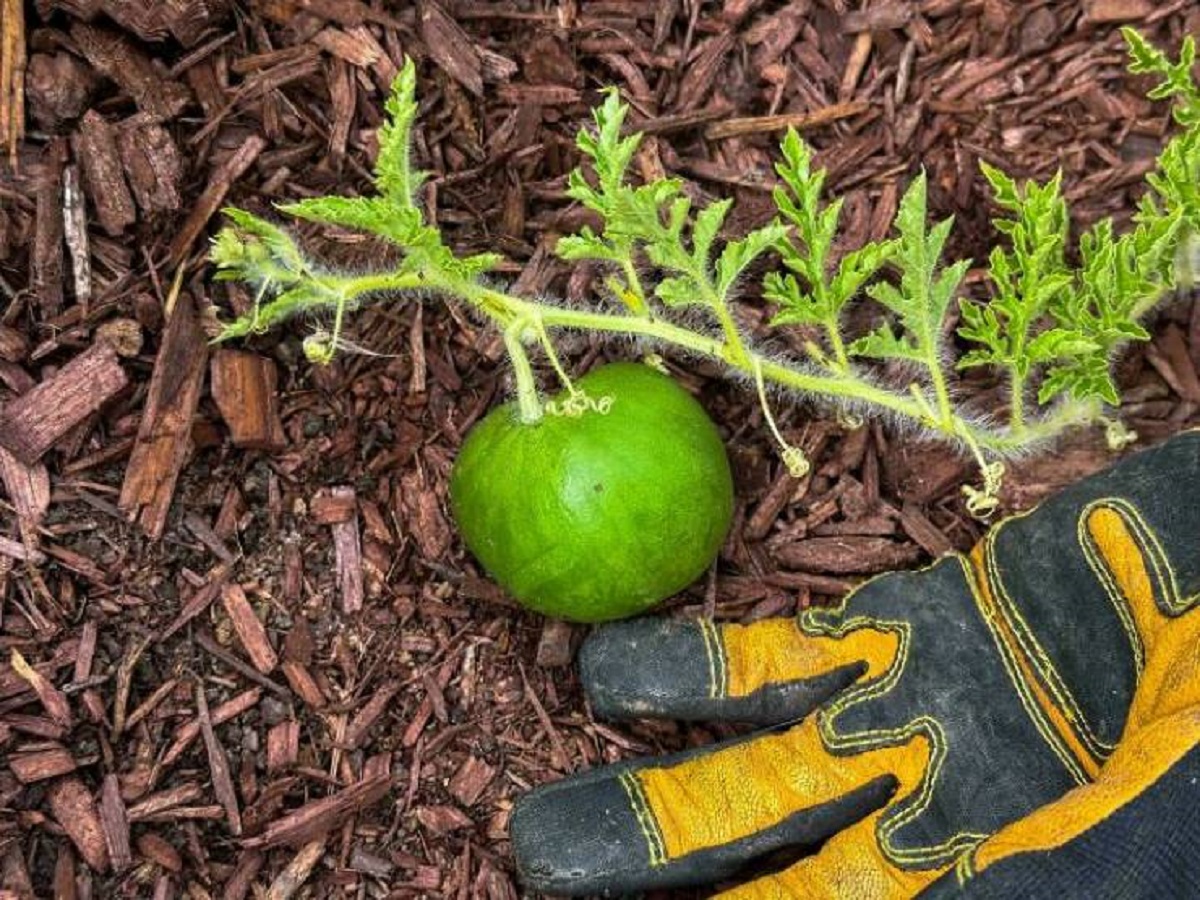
(370,741)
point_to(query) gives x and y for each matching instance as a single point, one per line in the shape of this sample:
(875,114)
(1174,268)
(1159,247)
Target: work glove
(1019,722)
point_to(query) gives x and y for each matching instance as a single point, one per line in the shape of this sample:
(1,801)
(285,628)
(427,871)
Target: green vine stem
(519,316)
(527,394)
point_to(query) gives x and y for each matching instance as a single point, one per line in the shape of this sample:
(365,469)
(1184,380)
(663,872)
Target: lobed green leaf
(738,254)
(884,343)
(395,176)
(402,225)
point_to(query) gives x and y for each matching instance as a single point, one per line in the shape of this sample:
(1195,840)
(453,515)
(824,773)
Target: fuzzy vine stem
(527,396)
(1016,401)
(842,361)
(517,316)
(734,350)
(552,356)
(942,392)
(747,362)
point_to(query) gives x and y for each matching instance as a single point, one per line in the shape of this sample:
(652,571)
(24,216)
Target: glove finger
(765,673)
(1090,583)
(699,816)
(1131,565)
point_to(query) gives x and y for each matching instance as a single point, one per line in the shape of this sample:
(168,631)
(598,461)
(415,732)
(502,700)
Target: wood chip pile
(242,650)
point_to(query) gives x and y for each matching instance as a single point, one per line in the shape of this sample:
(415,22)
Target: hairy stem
(846,386)
(515,316)
(527,398)
(1016,401)
(1007,443)
(941,391)
(552,355)
(735,349)
(634,286)
(834,332)
(358,285)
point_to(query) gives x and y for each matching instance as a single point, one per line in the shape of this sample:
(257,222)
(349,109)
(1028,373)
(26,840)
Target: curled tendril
(577,403)
(793,457)
(1117,436)
(797,463)
(848,420)
(981,503)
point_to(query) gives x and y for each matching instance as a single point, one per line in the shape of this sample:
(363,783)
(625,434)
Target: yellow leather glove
(1022,721)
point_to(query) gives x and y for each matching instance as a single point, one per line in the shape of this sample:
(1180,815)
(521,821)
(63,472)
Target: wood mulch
(242,651)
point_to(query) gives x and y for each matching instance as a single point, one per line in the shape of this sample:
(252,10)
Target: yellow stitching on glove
(1128,558)
(1055,727)
(1125,553)
(645,818)
(733,793)
(775,651)
(718,676)
(1112,535)
(825,622)
(1164,719)
(1051,680)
